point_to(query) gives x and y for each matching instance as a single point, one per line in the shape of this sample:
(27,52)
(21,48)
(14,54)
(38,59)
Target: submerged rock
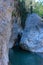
(32,37)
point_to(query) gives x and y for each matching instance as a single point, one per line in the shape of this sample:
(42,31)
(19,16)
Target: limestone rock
(6,8)
(32,37)
(16,29)
(16,25)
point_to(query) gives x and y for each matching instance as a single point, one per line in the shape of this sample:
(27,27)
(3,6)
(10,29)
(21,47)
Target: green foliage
(26,7)
(38,9)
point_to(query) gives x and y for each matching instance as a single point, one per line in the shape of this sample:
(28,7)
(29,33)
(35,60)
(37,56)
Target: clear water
(20,57)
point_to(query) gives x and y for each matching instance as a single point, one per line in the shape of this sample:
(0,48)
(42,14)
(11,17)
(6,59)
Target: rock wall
(16,25)
(6,8)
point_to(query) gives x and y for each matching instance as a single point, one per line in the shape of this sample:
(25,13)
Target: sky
(38,0)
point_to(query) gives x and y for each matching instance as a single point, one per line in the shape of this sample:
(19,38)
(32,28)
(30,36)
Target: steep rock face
(16,29)
(6,8)
(32,38)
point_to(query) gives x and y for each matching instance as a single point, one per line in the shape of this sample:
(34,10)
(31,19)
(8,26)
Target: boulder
(32,37)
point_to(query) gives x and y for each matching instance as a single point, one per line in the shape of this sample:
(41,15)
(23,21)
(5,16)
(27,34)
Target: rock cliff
(6,8)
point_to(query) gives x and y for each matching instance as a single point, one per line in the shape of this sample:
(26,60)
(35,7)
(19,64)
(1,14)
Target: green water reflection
(20,57)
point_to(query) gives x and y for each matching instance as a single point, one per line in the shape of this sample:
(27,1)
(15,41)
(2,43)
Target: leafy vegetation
(39,8)
(27,7)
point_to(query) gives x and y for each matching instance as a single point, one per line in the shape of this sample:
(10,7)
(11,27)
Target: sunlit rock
(6,8)
(32,37)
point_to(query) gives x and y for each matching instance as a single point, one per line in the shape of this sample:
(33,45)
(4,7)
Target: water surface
(20,57)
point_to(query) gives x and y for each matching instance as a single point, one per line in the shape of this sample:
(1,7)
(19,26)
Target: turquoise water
(20,57)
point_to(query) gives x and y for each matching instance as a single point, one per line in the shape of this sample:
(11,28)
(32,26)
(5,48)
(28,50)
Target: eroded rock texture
(6,8)
(32,38)
(16,25)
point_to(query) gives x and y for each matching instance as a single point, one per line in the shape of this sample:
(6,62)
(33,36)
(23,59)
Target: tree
(23,12)
(38,8)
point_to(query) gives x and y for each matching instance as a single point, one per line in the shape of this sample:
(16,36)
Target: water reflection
(20,57)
